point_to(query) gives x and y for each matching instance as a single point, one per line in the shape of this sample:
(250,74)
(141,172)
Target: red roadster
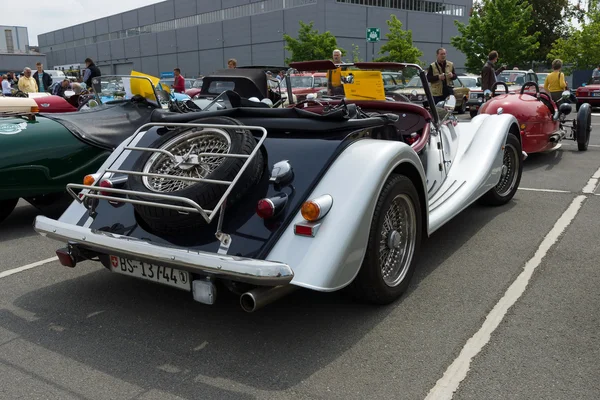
(543,122)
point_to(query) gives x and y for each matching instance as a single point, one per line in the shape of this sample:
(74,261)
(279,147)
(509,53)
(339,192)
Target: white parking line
(457,371)
(544,190)
(4,274)
(592,183)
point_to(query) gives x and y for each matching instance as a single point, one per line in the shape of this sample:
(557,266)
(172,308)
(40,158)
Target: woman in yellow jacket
(555,81)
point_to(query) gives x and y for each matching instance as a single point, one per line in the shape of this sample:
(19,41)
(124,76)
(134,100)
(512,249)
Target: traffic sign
(373,35)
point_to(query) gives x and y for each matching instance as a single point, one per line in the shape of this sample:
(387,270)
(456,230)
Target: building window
(413,5)
(10,45)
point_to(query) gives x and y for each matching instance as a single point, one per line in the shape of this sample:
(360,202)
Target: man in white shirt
(6,89)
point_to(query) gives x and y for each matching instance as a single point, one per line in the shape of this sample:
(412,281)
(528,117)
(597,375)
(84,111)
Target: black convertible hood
(106,125)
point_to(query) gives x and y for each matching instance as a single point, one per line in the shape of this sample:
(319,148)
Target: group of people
(41,81)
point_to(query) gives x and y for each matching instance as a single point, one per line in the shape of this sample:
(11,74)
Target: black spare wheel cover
(189,141)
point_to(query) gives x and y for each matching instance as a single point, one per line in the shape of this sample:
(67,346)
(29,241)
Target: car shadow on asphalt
(545,161)
(19,223)
(111,322)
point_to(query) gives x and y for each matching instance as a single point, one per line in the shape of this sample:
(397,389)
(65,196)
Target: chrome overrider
(256,272)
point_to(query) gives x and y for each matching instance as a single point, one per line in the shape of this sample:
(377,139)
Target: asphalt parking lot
(504,305)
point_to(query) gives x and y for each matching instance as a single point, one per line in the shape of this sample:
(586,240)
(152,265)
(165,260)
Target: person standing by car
(91,71)
(6,89)
(334,77)
(488,73)
(26,83)
(555,82)
(441,75)
(42,78)
(596,74)
(179,82)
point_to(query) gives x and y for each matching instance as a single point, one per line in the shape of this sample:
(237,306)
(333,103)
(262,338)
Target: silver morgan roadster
(330,193)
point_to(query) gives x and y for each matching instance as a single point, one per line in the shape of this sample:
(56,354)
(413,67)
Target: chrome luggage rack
(187,205)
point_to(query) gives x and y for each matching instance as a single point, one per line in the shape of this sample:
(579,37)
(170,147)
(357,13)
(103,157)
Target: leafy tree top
(500,25)
(310,44)
(399,46)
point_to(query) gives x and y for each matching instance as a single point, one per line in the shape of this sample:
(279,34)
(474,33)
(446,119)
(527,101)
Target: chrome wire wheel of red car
(510,176)
(393,245)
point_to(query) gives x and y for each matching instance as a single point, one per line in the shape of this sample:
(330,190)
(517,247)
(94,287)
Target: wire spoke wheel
(510,165)
(187,163)
(397,242)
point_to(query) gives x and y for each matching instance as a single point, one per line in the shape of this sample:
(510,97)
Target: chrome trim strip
(258,272)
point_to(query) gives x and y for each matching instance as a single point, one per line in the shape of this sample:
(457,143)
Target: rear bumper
(258,272)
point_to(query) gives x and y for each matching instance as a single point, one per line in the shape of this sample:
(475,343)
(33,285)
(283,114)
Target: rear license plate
(151,272)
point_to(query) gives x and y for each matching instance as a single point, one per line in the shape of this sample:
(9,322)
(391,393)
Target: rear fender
(332,259)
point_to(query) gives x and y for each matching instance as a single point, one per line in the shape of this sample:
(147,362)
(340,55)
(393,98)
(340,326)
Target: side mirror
(566,94)
(450,104)
(487,94)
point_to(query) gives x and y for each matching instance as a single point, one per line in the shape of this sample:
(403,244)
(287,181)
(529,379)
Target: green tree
(551,19)
(500,25)
(581,48)
(356,53)
(310,45)
(399,46)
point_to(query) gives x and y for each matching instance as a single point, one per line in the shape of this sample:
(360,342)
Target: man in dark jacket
(488,73)
(91,72)
(43,79)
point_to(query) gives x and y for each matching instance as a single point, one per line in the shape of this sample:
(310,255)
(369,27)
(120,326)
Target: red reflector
(265,208)
(303,230)
(65,258)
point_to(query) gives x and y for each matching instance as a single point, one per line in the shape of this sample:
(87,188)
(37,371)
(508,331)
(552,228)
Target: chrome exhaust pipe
(525,155)
(262,296)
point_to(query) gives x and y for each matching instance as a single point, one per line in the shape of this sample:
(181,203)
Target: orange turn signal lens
(315,209)
(310,211)
(35,109)
(89,180)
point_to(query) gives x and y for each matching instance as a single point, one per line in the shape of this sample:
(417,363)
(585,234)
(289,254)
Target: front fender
(332,259)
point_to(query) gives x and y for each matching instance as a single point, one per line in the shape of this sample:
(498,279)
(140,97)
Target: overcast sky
(41,17)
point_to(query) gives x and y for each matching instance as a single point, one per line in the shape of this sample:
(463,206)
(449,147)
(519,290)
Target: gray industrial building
(15,51)
(199,36)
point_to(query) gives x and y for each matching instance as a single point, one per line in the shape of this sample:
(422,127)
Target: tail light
(315,209)
(66,258)
(272,206)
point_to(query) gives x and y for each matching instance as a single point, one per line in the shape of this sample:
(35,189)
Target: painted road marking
(544,190)
(457,371)
(13,271)
(592,183)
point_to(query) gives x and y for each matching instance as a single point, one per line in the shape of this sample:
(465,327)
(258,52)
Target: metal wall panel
(203,6)
(425,27)
(189,63)
(345,20)
(91,51)
(103,52)
(185,8)
(166,42)
(267,27)
(115,23)
(243,55)
(233,3)
(236,32)
(211,60)
(130,19)
(117,49)
(164,11)
(101,26)
(132,46)
(146,15)
(306,14)
(68,34)
(268,54)
(150,65)
(89,29)
(80,54)
(187,39)
(148,46)
(78,32)
(210,36)
(70,57)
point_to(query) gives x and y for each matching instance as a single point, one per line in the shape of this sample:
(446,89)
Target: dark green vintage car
(41,153)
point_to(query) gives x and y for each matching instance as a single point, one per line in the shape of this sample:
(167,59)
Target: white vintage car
(260,201)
